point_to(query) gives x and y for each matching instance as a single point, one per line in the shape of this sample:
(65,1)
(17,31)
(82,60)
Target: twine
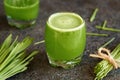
(104,54)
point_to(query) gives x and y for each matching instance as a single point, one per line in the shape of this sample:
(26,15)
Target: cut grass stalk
(92,18)
(104,27)
(108,42)
(39,42)
(96,34)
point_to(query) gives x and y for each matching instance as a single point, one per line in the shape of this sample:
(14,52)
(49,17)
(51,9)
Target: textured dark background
(39,68)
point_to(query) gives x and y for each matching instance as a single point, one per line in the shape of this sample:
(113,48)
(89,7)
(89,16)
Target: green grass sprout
(13,57)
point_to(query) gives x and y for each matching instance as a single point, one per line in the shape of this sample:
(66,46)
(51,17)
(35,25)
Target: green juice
(65,37)
(21,11)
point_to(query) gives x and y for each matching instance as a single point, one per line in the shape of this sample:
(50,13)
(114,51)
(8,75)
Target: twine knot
(104,53)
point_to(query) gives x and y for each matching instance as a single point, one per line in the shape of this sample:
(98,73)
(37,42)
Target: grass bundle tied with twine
(111,60)
(13,57)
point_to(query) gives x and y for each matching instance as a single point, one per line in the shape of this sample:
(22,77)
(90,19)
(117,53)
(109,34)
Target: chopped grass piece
(13,57)
(39,42)
(108,42)
(108,29)
(104,24)
(103,27)
(93,15)
(96,34)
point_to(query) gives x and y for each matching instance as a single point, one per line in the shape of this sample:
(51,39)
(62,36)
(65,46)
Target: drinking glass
(65,39)
(21,13)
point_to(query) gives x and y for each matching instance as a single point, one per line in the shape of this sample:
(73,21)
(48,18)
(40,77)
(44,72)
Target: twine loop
(104,53)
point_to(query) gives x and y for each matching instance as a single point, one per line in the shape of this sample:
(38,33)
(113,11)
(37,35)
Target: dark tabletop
(39,68)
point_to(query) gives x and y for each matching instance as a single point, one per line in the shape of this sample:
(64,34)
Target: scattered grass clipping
(96,34)
(40,42)
(93,16)
(104,27)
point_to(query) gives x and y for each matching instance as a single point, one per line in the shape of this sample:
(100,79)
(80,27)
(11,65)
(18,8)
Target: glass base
(65,64)
(20,23)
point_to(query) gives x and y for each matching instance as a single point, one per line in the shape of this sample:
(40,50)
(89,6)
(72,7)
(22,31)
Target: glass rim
(7,4)
(66,30)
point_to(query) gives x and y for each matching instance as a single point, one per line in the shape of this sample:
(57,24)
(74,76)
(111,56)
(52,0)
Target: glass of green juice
(21,13)
(65,39)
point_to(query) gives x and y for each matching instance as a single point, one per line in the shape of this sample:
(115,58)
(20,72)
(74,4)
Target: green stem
(10,75)
(7,51)
(13,58)
(39,42)
(116,51)
(104,24)
(108,42)
(96,34)
(93,15)
(108,29)
(103,27)
(16,50)
(18,65)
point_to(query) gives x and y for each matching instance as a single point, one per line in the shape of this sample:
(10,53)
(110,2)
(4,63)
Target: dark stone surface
(39,68)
